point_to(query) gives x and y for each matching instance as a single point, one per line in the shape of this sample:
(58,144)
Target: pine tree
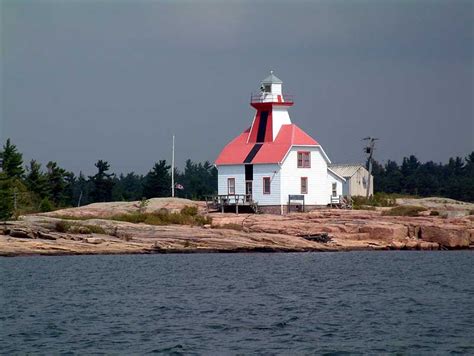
(128,187)
(158,181)
(6,197)
(70,182)
(102,183)
(35,180)
(81,191)
(11,161)
(56,181)
(468,178)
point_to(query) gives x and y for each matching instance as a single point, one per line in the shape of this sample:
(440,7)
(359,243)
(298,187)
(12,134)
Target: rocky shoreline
(342,230)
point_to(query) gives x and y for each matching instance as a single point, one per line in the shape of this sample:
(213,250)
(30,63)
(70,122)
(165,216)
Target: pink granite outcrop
(346,230)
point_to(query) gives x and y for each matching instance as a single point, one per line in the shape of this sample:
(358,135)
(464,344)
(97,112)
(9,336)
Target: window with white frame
(334,189)
(304,159)
(266,185)
(231,186)
(304,185)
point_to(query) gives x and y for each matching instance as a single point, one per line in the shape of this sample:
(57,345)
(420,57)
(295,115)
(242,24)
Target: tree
(200,179)
(35,180)
(393,177)
(158,181)
(128,187)
(56,181)
(6,197)
(102,183)
(469,167)
(12,161)
(81,191)
(409,170)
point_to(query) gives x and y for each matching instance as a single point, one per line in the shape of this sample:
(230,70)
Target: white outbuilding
(274,163)
(357,179)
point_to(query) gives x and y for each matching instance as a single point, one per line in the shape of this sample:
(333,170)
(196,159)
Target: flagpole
(172,171)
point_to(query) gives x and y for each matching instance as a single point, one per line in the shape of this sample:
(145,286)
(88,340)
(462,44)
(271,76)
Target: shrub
(202,220)
(62,226)
(95,229)
(73,228)
(45,205)
(189,210)
(142,205)
(134,218)
(434,213)
(471,212)
(406,210)
(378,199)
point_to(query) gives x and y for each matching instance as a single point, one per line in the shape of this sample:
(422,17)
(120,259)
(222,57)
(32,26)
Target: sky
(114,80)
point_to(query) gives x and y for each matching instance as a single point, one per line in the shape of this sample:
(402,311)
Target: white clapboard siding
(332,178)
(318,192)
(266,170)
(231,171)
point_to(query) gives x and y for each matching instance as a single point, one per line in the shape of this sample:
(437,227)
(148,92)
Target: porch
(231,202)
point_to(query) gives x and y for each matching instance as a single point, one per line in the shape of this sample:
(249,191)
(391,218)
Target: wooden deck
(221,202)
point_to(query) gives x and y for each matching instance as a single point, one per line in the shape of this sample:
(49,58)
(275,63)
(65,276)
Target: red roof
(239,150)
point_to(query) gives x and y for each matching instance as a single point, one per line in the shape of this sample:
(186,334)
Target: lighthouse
(274,164)
(272,110)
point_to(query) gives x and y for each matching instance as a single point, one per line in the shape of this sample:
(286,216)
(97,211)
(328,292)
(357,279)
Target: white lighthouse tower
(274,160)
(272,109)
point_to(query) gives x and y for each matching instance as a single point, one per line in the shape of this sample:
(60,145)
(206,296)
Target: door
(248,190)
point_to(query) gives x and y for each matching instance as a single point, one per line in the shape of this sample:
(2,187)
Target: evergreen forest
(27,187)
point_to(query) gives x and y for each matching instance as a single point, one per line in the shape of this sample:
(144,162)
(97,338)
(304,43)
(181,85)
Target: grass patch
(74,228)
(189,210)
(378,199)
(230,226)
(187,216)
(163,217)
(62,226)
(70,217)
(406,210)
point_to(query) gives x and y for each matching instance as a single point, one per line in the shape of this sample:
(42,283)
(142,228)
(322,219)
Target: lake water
(307,303)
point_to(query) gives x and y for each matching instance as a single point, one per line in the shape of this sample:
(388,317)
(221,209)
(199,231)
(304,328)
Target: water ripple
(319,303)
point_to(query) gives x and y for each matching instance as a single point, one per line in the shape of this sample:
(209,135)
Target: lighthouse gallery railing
(262,97)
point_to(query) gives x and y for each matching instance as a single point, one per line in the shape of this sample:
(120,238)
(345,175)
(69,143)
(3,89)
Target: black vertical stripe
(253,152)
(249,172)
(262,126)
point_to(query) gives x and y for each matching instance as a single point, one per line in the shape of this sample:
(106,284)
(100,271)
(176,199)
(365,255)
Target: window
(334,189)
(304,160)
(304,185)
(231,186)
(266,185)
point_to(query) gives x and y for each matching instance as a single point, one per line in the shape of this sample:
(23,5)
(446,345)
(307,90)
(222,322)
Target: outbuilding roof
(240,151)
(347,169)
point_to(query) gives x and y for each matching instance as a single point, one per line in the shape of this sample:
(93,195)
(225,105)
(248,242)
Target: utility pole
(369,151)
(79,201)
(172,170)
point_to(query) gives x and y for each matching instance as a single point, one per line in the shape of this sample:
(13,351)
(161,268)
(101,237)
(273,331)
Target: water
(358,302)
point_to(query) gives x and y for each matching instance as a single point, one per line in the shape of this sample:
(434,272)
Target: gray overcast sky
(113,80)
